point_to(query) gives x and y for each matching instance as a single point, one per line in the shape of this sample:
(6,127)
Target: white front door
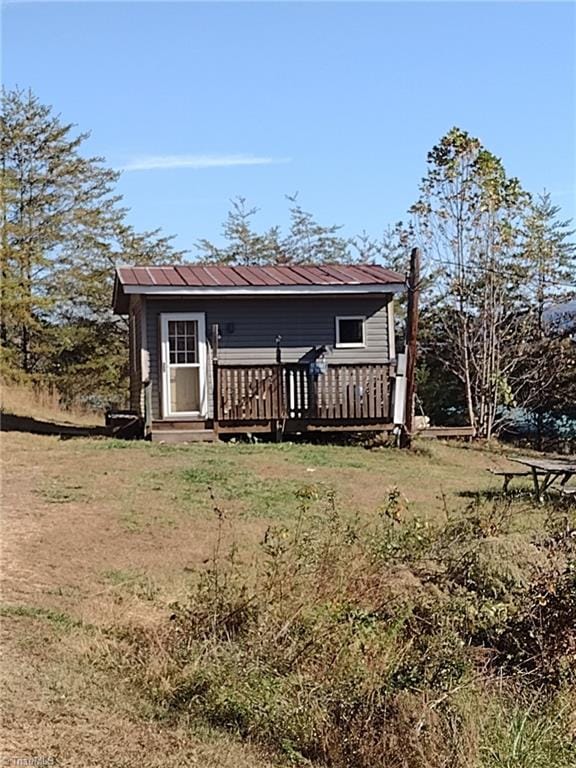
(183,342)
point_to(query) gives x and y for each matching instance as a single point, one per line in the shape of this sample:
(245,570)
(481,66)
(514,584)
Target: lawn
(101,534)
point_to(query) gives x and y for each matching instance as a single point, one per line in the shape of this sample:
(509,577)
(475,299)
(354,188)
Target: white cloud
(162,162)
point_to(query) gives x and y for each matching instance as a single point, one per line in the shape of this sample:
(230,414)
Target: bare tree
(468,219)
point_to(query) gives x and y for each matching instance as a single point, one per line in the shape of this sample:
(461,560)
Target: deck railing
(343,393)
(248,393)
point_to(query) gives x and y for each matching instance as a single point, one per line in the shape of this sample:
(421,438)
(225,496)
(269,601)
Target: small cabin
(281,349)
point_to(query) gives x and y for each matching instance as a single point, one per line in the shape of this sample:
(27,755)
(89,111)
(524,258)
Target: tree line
(494,257)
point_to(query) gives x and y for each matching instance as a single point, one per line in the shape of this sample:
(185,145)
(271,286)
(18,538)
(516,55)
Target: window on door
(183,341)
(183,351)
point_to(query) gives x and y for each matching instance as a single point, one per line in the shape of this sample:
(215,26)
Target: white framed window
(350,331)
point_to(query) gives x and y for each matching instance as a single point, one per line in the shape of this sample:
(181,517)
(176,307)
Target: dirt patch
(70,515)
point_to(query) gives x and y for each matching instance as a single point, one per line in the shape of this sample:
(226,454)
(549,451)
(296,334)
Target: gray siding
(249,327)
(135,356)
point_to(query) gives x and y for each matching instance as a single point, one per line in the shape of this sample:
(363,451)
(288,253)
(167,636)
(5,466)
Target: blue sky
(338,101)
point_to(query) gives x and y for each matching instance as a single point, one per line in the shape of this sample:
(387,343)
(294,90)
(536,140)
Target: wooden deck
(287,398)
(290,397)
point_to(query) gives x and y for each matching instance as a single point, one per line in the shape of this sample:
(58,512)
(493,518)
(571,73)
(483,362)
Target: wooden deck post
(147,409)
(215,379)
(411,344)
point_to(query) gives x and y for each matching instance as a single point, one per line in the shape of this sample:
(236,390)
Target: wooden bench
(568,491)
(508,474)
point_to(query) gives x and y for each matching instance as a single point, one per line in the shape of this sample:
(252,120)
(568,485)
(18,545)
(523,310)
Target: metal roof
(240,276)
(214,280)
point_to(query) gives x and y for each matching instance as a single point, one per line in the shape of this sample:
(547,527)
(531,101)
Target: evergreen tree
(49,192)
(89,343)
(391,250)
(306,241)
(63,232)
(550,253)
(309,242)
(546,382)
(243,246)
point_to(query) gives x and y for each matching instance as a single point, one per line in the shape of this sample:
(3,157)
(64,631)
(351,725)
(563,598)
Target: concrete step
(183,435)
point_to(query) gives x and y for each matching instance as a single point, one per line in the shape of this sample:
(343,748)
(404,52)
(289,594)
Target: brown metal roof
(226,276)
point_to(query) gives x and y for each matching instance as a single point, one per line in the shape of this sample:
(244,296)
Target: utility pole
(411,344)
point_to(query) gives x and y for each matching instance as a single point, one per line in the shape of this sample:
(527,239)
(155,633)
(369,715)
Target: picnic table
(545,472)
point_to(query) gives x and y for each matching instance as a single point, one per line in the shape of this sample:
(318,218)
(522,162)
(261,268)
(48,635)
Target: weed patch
(58,492)
(57,618)
(520,734)
(133,583)
(398,624)
(362,644)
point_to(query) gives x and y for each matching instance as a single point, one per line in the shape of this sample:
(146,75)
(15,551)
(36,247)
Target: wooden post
(411,344)
(147,409)
(277,410)
(215,379)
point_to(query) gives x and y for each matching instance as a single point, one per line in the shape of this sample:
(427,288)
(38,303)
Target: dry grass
(58,704)
(99,533)
(360,644)
(43,403)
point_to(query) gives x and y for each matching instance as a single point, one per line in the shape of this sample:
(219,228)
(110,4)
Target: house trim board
(279,290)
